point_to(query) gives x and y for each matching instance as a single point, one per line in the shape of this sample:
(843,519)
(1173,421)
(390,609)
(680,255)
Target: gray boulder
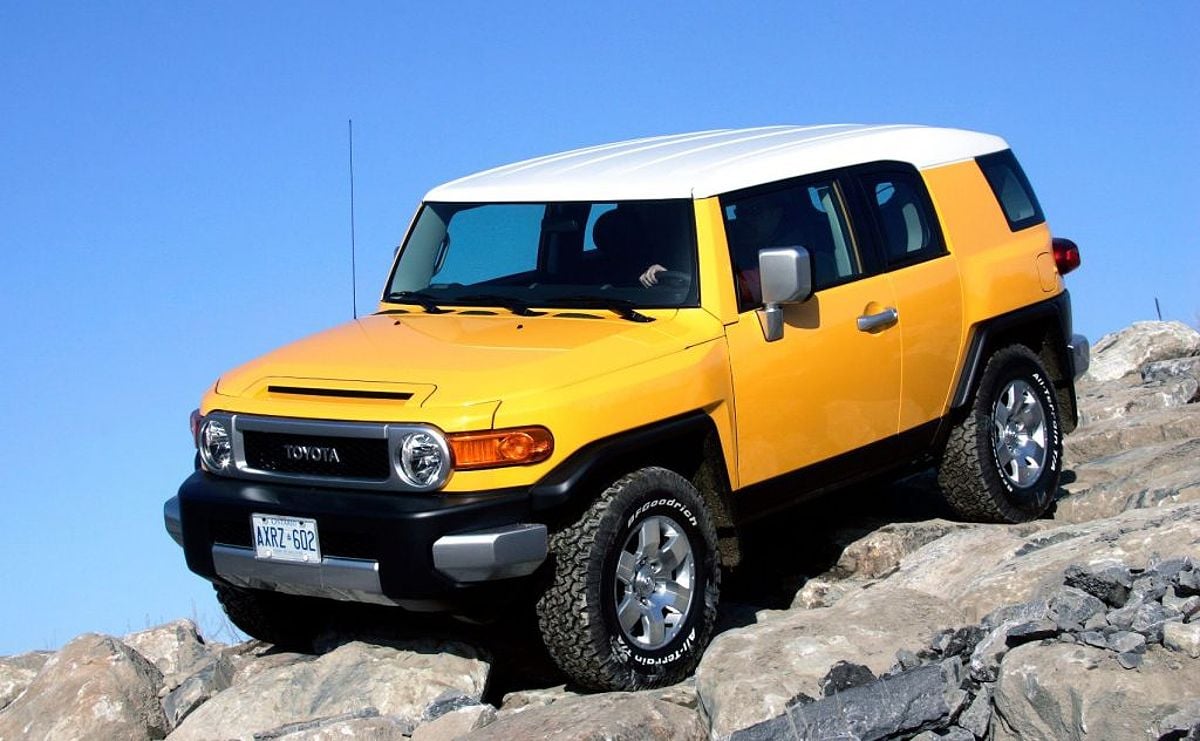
(175,647)
(364,724)
(898,704)
(198,688)
(1123,353)
(456,723)
(879,552)
(95,687)
(616,716)
(1166,370)
(1182,638)
(397,682)
(1063,691)
(17,672)
(750,675)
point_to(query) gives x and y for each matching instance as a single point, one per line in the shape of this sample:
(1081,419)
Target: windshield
(636,254)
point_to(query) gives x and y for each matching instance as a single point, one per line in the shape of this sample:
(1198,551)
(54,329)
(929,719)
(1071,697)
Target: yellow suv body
(587,370)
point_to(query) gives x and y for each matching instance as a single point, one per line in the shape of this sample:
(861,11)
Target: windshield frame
(573,297)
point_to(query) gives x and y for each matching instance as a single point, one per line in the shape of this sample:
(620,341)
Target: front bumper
(420,551)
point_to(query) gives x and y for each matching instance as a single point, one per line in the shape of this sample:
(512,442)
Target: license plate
(279,538)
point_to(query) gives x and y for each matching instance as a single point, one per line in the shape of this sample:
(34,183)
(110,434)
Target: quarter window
(1012,189)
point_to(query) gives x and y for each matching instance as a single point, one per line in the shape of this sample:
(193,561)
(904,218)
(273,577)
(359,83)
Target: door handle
(872,322)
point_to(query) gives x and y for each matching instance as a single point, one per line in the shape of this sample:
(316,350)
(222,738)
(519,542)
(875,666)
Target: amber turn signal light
(518,446)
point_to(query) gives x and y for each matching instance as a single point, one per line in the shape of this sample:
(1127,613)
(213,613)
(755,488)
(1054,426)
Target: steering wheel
(674,278)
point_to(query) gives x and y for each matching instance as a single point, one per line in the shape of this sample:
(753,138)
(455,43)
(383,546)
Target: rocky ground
(881,620)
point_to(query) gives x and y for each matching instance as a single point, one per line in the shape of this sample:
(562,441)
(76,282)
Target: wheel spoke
(626,566)
(648,538)
(656,628)
(676,596)
(673,553)
(629,612)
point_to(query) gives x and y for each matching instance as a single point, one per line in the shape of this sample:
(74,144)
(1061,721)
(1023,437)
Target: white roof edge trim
(707,163)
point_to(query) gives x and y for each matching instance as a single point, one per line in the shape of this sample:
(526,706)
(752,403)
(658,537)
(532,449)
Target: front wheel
(1002,461)
(636,583)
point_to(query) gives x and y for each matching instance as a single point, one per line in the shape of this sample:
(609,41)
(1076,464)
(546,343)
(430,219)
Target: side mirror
(785,276)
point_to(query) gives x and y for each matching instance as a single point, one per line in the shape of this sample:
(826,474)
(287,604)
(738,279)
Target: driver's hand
(650,277)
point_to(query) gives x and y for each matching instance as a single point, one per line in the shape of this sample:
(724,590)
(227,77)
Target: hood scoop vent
(340,393)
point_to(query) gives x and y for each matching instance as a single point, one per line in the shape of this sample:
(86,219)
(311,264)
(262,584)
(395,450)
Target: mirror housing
(785,277)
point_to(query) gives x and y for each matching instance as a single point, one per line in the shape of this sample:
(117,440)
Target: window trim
(868,213)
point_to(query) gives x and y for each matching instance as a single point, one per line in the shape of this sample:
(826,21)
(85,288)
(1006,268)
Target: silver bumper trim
(1080,354)
(348,579)
(173,521)
(505,552)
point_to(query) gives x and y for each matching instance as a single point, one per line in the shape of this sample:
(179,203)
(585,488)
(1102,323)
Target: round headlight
(423,460)
(215,447)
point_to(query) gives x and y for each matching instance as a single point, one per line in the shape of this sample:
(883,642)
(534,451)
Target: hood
(464,358)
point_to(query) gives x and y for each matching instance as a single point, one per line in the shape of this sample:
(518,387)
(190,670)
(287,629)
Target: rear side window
(907,227)
(1012,190)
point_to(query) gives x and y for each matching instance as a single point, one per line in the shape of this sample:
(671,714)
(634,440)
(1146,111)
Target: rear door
(899,214)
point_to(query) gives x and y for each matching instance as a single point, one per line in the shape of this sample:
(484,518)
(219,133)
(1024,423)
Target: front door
(829,386)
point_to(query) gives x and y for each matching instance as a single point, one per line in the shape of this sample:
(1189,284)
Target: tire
(279,619)
(1002,462)
(615,616)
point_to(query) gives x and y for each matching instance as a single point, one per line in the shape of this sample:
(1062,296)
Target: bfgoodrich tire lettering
(634,594)
(1003,460)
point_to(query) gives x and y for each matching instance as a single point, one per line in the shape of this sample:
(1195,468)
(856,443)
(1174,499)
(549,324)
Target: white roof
(707,163)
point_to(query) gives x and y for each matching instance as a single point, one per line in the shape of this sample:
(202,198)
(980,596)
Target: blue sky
(174,200)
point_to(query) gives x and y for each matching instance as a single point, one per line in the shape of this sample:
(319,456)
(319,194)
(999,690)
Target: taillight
(1066,255)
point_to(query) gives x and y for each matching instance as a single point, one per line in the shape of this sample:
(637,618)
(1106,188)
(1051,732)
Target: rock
(879,552)
(1165,370)
(255,657)
(1125,352)
(198,688)
(17,672)
(1130,659)
(1187,607)
(1149,621)
(95,687)
(399,682)
(1119,401)
(985,660)
(749,675)
(365,724)
(979,571)
(844,675)
(1069,692)
(1154,476)
(524,699)
(175,647)
(1181,724)
(1032,631)
(1187,583)
(619,716)
(1023,612)
(884,708)
(455,723)
(820,593)
(1098,639)
(1104,438)
(1126,642)
(1071,608)
(977,718)
(1182,638)
(1107,582)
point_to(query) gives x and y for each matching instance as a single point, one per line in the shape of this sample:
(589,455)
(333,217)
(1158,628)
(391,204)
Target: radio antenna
(353,266)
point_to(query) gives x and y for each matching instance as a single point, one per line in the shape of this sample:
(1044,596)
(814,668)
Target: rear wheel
(637,579)
(1002,461)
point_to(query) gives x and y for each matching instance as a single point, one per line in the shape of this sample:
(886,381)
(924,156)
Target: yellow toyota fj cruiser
(588,369)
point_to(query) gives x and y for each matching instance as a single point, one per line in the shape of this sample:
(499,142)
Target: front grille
(312,455)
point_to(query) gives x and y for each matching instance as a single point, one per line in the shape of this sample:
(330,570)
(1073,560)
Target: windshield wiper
(619,306)
(515,305)
(420,298)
